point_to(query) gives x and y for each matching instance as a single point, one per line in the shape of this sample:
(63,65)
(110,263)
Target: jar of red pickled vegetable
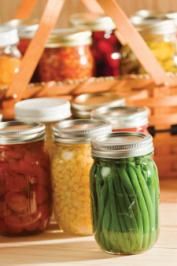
(106,47)
(124,118)
(25,191)
(9,55)
(67,55)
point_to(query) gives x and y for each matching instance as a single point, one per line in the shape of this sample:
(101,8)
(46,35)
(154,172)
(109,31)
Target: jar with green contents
(124,193)
(161,39)
(71,166)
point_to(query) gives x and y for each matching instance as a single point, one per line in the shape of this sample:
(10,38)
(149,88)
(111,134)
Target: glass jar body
(125,202)
(9,64)
(163,47)
(71,165)
(106,52)
(25,189)
(61,63)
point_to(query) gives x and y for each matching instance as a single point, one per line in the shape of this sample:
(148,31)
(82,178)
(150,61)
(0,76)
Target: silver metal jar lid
(14,132)
(79,130)
(83,104)
(8,36)
(159,28)
(69,37)
(94,22)
(123,117)
(122,145)
(26,27)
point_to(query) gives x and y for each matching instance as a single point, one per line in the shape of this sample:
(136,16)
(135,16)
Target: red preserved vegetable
(67,56)
(25,189)
(105,47)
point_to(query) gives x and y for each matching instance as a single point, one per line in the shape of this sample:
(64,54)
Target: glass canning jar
(71,165)
(26,30)
(124,118)
(43,110)
(162,40)
(25,184)
(67,55)
(9,55)
(124,192)
(106,46)
(83,104)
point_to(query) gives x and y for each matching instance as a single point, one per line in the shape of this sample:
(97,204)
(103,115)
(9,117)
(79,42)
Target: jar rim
(83,104)
(14,132)
(122,117)
(95,22)
(79,130)
(8,36)
(122,145)
(69,37)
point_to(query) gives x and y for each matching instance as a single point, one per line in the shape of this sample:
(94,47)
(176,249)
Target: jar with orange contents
(67,55)
(9,55)
(124,118)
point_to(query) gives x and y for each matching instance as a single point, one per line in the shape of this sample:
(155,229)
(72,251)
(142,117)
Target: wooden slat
(25,9)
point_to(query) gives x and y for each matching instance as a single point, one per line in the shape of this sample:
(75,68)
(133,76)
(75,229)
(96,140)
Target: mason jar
(124,118)
(43,110)
(82,105)
(71,165)
(162,40)
(124,193)
(25,184)
(26,31)
(67,55)
(9,55)
(106,46)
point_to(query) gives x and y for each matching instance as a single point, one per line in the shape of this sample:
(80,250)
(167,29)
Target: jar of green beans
(124,193)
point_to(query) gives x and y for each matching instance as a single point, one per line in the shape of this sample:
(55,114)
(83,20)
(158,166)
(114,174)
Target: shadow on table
(71,250)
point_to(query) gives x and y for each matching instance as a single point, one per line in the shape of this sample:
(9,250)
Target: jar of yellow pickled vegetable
(9,55)
(71,165)
(161,38)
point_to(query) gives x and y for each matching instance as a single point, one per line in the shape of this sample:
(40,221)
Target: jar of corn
(161,38)
(71,165)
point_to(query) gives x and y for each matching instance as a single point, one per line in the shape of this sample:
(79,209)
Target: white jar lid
(8,36)
(42,110)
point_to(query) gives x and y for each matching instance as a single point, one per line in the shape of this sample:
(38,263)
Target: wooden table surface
(54,248)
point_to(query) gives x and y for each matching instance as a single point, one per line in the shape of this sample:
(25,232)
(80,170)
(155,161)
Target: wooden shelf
(55,248)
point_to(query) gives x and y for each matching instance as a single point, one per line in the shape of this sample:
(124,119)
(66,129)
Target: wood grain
(8,7)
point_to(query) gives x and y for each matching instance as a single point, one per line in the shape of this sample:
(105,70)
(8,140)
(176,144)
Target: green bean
(144,211)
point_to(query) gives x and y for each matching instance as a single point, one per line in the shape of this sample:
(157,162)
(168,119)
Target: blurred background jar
(106,47)
(71,165)
(26,30)
(43,110)
(67,55)
(125,118)
(9,55)
(161,38)
(25,184)
(83,104)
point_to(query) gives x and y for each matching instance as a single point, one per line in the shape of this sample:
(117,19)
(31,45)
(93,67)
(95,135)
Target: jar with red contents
(26,31)
(67,55)
(124,118)
(25,189)
(106,46)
